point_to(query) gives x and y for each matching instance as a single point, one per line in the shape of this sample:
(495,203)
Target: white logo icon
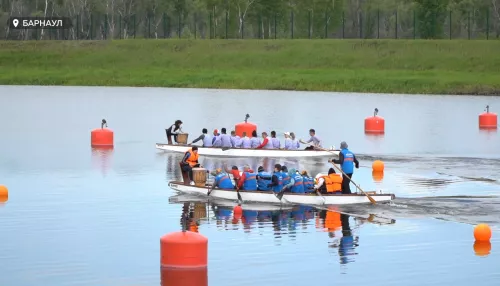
(15,22)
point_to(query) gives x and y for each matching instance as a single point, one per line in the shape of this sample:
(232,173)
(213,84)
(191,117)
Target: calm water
(77,216)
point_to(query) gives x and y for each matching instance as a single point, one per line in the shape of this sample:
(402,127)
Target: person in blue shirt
(222,180)
(347,161)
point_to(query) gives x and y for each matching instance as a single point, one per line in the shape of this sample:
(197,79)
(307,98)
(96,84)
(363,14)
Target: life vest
(285,177)
(279,187)
(223,181)
(264,179)
(193,158)
(348,165)
(250,183)
(308,184)
(333,183)
(298,186)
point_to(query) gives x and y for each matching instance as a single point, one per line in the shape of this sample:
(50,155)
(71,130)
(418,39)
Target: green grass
(388,66)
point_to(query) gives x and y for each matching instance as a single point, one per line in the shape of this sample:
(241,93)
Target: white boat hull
(226,203)
(241,152)
(288,198)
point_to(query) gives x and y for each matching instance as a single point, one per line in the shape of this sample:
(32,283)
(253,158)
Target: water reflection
(279,221)
(102,158)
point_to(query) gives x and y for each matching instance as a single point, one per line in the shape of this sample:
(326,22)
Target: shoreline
(430,67)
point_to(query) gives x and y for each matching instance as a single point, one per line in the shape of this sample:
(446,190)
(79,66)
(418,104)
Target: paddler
(235,172)
(329,184)
(174,130)
(207,141)
(277,179)
(298,182)
(255,141)
(214,138)
(308,182)
(190,161)
(316,142)
(235,140)
(275,141)
(347,161)
(288,141)
(266,143)
(222,180)
(295,142)
(246,142)
(248,180)
(225,139)
(263,179)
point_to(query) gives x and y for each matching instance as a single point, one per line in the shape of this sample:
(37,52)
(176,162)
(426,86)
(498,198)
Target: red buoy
(102,137)
(488,120)
(245,127)
(374,124)
(184,276)
(184,249)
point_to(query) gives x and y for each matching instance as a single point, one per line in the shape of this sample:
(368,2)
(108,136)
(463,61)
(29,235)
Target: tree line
(264,19)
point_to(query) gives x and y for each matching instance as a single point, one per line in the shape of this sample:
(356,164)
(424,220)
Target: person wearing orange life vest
(330,184)
(190,161)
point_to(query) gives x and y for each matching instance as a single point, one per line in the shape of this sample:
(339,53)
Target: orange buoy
(488,120)
(184,276)
(183,249)
(102,137)
(482,248)
(374,124)
(378,176)
(378,166)
(245,127)
(482,232)
(4,194)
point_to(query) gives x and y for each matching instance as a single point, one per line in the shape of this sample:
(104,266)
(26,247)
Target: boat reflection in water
(285,221)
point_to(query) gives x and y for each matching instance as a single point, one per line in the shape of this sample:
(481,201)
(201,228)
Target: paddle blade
(225,148)
(371,199)
(280,195)
(239,196)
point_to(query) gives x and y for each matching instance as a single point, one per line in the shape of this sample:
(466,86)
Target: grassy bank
(392,66)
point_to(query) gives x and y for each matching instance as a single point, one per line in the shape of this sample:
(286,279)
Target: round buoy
(246,127)
(378,176)
(375,124)
(482,232)
(4,194)
(183,249)
(488,120)
(184,276)
(482,248)
(102,137)
(378,166)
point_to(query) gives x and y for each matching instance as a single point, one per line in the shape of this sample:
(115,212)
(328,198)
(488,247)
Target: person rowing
(235,140)
(276,142)
(246,142)
(235,172)
(224,140)
(222,180)
(329,184)
(263,179)
(266,142)
(347,161)
(174,130)
(308,182)
(277,179)
(207,141)
(255,140)
(248,180)
(316,142)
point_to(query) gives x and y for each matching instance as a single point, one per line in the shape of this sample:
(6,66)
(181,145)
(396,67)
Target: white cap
(287,133)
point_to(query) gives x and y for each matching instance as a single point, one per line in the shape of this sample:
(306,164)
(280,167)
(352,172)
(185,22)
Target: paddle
(359,188)
(319,194)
